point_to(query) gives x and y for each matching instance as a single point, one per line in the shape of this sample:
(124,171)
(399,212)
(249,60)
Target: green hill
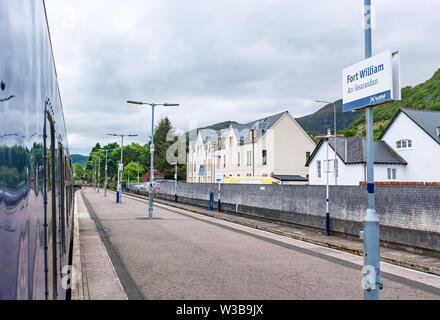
(78,158)
(425,96)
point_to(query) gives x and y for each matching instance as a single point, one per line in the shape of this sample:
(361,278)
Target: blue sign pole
(372,283)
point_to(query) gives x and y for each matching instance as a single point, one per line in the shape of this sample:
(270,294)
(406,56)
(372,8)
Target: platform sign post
(369,83)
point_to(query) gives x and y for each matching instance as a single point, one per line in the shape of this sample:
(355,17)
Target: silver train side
(36,187)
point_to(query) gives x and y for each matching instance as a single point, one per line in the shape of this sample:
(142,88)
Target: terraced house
(275,146)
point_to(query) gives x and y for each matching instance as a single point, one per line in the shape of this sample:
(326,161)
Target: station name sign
(371,82)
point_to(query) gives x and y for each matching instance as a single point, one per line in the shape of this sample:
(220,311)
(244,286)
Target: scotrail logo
(377,99)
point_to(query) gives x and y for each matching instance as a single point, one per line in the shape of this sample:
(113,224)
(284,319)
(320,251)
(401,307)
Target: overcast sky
(220,59)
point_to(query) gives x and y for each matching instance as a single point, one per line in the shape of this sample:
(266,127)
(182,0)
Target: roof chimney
(438,131)
(329,132)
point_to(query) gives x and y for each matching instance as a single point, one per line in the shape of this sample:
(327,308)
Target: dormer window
(404,144)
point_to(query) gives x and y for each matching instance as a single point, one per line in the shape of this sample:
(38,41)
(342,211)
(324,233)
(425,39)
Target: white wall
(424,157)
(348,175)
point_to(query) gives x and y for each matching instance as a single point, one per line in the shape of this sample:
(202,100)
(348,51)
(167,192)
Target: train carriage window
(62,218)
(52,223)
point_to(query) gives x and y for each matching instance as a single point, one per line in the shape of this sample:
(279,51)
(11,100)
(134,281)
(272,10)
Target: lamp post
(150,192)
(94,175)
(106,157)
(138,175)
(99,171)
(334,128)
(119,198)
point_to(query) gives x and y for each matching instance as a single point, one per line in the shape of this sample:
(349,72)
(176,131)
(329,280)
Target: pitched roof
(241,131)
(356,148)
(427,120)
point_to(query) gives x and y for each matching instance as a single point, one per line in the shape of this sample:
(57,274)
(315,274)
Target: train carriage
(36,183)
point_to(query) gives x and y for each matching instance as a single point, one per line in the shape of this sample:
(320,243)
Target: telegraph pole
(372,280)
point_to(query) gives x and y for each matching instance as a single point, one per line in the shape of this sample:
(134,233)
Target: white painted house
(280,148)
(415,136)
(408,151)
(351,162)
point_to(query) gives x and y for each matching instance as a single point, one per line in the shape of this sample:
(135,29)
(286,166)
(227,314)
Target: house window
(318,167)
(307,156)
(264,157)
(249,158)
(392,175)
(336,168)
(230,142)
(238,160)
(224,161)
(404,144)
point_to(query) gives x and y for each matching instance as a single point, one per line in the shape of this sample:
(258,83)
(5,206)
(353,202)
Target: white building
(280,147)
(351,163)
(408,151)
(415,136)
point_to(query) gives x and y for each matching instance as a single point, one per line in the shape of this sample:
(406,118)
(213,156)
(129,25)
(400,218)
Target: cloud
(221,60)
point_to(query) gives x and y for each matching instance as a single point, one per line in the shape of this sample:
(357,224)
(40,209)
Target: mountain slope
(321,120)
(78,158)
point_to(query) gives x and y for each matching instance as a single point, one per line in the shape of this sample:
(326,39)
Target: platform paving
(180,254)
(94,277)
(423,263)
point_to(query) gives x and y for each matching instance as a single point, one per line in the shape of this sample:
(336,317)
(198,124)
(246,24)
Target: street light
(150,192)
(119,194)
(99,171)
(106,154)
(96,181)
(334,123)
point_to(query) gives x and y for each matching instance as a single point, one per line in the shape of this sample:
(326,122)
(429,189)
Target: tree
(132,170)
(78,171)
(136,156)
